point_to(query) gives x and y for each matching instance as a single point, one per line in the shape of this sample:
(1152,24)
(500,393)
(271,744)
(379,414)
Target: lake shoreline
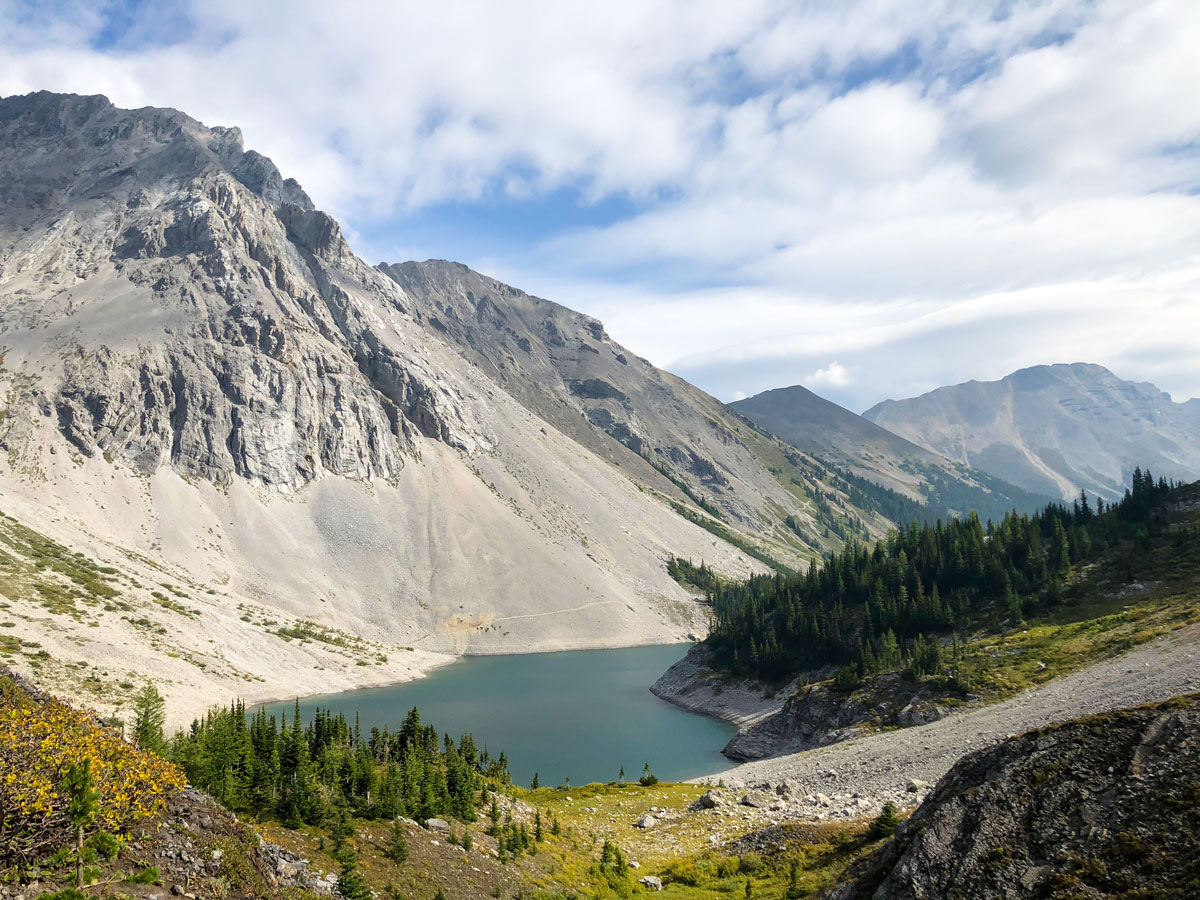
(563,714)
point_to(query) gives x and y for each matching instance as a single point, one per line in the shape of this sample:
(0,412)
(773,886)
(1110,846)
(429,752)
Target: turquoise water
(580,714)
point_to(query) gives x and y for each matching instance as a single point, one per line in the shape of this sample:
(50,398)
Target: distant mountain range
(1055,429)
(858,446)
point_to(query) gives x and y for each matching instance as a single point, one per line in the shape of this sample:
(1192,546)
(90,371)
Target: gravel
(881,766)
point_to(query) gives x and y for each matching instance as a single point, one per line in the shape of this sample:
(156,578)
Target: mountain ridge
(1058,428)
(867,451)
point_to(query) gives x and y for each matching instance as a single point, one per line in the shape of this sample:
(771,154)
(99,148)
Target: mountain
(241,459)
(1103,806)
(1054,429)
(858,446)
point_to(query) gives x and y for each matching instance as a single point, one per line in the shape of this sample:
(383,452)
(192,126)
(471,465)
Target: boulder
(916,784)
(645,821)
(437,824)
(711,800)
(756,801)
(651,882)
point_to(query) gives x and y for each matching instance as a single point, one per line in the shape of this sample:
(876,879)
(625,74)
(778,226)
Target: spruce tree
(350,883)
(149,716)
(340,830)
(885,824)
(397,848)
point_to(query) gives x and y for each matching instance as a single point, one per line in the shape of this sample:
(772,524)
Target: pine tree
(350,884)
(534,784)
(885,824)
(149,716)
(537,826)
(340,830)
(397,848)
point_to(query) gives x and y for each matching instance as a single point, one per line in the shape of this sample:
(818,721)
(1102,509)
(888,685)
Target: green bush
(148,875)
(105,845)
(885,824)
(847,680)
(750,863)
(683,871)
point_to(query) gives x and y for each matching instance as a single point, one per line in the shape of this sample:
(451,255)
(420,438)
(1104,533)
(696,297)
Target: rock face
(858,445)
(818,716)
(693,685)
(203,314)
(563,366)
(1054,429)
(1103,806)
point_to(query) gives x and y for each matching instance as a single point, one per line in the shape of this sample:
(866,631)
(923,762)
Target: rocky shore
(879,766)
(693,685)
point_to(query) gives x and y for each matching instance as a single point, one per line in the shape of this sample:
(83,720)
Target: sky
(868,198)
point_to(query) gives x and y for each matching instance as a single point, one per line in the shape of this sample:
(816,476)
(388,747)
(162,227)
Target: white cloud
(925,190)
(833,375)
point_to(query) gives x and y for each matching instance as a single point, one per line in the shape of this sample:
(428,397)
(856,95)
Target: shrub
(683,871)
(148,875)
(39,742)
(847,680)
(750,863)
(885,824)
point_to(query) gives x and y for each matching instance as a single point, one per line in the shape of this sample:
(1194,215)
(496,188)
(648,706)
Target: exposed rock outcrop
(206,317)
(818,715)
(1103,806)
(693,685)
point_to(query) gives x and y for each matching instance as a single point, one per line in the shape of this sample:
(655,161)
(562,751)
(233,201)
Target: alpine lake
(581,715)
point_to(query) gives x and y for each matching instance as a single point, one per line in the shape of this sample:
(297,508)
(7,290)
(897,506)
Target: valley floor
(880,766)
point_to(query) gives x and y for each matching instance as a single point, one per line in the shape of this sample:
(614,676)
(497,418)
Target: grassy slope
(678,849)
(1128,598)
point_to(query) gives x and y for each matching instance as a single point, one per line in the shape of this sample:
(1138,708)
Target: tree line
(315,773)
(883,608)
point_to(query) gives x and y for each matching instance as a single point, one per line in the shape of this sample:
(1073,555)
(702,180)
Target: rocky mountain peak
(235,331)
(1055,429)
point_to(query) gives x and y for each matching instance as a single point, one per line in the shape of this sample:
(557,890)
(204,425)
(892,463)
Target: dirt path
(880,766)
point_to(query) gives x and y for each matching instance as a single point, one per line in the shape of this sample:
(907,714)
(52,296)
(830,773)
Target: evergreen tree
(864,605)
(397,848)
(534,784)
(340,830)
(885,823)
(149,716)
(83,802)
(350,883)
